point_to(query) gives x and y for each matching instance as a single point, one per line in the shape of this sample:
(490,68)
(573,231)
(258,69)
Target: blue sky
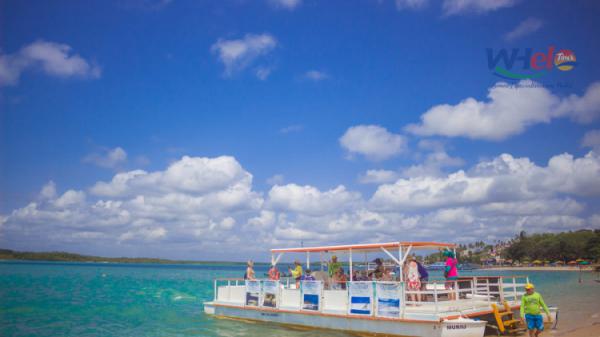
(289,121)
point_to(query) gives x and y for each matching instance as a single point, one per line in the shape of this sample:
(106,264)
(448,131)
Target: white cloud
(508,112)
(592,139)
(310,200)
(502,179)
(108,158)
(144,234)
(372,141)
(378,177)
(48,191)
(69,199)
(238,54)
(411,4)
(54,59)
(454,7)
(433,164)
(526,27)
(286,4)
(316,75)
(207,207)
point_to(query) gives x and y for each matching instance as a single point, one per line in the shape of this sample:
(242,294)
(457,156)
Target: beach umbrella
(584,262)
(579,260)
(537,262)
(559,262)
(572,262)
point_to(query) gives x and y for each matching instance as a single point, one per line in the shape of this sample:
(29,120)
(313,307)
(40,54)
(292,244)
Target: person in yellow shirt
(296,272)
(531,305)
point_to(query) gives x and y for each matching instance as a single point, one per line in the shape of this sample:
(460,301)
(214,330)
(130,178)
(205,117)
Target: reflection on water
(50,299)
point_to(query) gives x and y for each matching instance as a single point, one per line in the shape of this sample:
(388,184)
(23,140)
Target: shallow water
(99,299)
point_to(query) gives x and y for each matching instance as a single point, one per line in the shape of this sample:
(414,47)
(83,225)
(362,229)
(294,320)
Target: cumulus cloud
(208,206)
(526,27)
(509,111)
(310,200)
(108,158)
(502,179)
(53,59)
(455,7)
(372,141)
(238,54)
(592,139)
(286,4)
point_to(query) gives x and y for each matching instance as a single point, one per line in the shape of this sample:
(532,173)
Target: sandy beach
(542,268)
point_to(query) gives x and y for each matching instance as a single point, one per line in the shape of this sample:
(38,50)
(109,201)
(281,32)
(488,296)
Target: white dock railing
(374,298)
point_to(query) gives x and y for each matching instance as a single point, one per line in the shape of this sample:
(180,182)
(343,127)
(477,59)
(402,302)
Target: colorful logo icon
(565,60)
(518,64)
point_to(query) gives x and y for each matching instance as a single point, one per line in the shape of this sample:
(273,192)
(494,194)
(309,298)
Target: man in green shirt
(531,303)
(333,266)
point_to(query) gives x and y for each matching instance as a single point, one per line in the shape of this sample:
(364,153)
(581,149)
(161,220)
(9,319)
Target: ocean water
(99,299)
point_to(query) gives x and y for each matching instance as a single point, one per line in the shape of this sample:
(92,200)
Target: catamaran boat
(440,308)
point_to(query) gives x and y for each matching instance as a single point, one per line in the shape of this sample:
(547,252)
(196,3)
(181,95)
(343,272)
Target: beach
(542,268)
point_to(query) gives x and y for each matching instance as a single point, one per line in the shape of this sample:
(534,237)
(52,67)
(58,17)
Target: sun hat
(250,263)
(333,257)
(529,286)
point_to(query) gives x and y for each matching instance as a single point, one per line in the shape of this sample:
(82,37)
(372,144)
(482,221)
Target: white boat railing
(374,298)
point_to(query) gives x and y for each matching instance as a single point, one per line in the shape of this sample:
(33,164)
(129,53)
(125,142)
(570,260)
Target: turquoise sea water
(96,299)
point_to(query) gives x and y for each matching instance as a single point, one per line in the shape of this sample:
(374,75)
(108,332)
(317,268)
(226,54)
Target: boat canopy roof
(369,247)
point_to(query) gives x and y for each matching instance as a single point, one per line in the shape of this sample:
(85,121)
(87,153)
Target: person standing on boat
(531,303)
(307,276)
(333,266)
(423,277)
(296,272)
(249,275)
(450,272)
(379,269)
(274,273)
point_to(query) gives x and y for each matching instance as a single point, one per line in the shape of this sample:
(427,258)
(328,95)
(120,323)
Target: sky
(217,130)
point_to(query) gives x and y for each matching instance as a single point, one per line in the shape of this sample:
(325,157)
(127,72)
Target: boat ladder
(505,320)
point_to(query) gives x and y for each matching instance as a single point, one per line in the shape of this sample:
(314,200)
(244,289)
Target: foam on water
(88,299)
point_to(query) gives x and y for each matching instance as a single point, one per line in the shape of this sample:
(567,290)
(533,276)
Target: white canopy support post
(390,255)
(350,262)
(274,260)
(401,262)
(307,260)
(321,260)
(403,259)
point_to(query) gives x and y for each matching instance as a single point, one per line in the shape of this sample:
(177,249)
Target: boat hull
(371,325)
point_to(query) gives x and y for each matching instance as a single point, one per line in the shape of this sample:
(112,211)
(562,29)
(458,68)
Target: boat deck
(466,297)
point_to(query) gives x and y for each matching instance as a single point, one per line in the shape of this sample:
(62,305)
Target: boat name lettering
(269,314)
(456,326)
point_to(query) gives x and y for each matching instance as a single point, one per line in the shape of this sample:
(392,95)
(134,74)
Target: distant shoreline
(10,255)
(568,268)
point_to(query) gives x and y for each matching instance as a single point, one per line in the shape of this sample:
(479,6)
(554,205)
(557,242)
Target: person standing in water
(531,303)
